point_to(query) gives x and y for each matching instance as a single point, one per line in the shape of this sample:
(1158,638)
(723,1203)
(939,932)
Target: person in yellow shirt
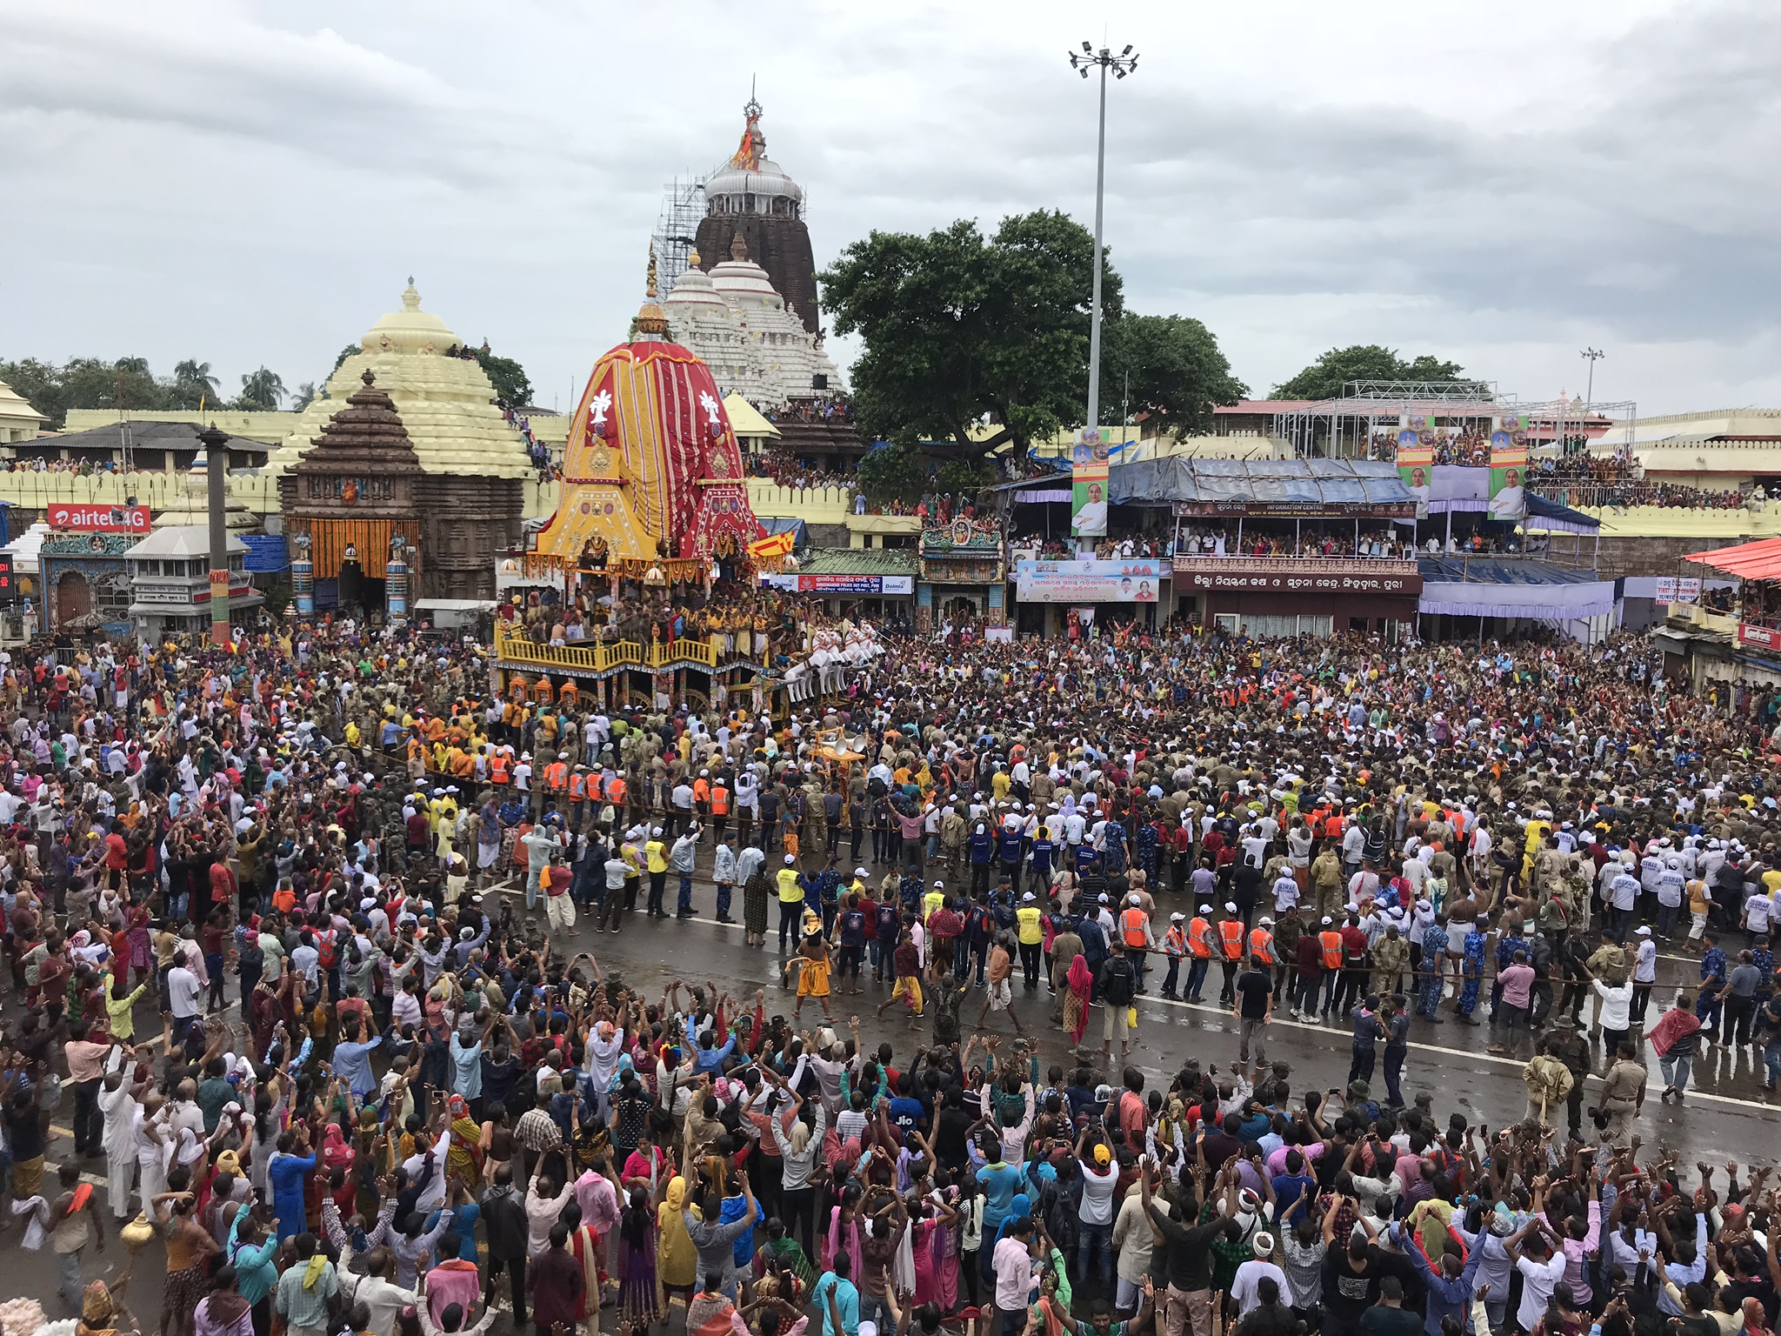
(1000,783)
(934,899)
(1031,935)
(656,853)
(791,900)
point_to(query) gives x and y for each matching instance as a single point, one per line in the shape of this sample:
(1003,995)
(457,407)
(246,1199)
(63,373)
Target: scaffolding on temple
(683,206)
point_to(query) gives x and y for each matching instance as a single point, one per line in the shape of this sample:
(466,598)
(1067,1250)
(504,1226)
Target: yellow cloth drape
(330,538)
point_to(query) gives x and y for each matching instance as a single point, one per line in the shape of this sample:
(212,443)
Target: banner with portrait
(1416,463)
(1508,470)
(1116,581)
(1088,485)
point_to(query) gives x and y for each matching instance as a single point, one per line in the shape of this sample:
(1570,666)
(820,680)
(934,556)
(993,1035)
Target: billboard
(1089,581)
(841,584)
(1759,637)
(1088,485)
(78,517)
(265,553)
(1508,470)
(1416,463)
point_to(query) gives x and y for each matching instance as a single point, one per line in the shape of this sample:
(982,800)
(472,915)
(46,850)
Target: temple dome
(411,330)
(441,391)
(694,289)
(742,278)
(767,180)
(751,182)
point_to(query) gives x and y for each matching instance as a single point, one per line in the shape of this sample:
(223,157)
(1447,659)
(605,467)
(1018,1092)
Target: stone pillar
(216,468)
(395,589)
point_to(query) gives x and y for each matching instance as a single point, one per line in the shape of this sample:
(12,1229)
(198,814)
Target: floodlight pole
(1592,356)
(1120,65)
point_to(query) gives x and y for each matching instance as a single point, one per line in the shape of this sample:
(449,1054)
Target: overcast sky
(1497,182)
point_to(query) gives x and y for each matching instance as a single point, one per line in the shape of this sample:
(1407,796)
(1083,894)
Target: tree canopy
(130,384)
(962,329)
(512,386)
(1167,366)
(959,327)
(1325,377)
(261,390)
(891,473)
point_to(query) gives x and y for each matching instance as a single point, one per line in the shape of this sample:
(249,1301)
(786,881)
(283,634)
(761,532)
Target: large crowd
(386,1092)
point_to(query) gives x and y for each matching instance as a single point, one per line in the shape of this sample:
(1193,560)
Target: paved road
(1727,1116)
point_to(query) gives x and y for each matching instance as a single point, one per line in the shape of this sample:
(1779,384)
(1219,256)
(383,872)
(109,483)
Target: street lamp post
(1119,65)
(1592,356)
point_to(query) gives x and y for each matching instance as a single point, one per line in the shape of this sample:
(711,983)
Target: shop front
(1287,596)
(963,576)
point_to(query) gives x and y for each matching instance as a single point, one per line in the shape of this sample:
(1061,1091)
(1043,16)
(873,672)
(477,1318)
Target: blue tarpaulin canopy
(1491,587)
(1547,516)
(1309,484)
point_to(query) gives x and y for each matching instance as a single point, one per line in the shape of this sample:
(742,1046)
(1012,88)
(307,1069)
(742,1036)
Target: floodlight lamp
(1085,71)
(1119,71)
(1128,50)
(1086,47)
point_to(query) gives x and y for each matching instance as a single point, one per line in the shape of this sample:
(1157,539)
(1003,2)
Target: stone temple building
(364,488)
(751,196)
(738,324)
(407,439)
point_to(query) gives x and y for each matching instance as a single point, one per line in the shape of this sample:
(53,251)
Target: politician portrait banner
(1416,463)
(1088,485)
(1508,470)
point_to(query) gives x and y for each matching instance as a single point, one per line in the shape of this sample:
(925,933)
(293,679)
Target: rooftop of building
(859,561)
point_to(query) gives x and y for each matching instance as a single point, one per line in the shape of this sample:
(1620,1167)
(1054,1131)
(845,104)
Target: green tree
(351,350)
(512,387)
(89,382)
(892,473)
(960,330)
(193,384)
(1168,366)
(1325,377)
(261,390)
(962,477)
(303,397)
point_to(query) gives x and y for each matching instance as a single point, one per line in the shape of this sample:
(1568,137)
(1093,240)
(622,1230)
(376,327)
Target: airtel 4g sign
(72,517)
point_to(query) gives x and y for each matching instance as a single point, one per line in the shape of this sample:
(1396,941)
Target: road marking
(1694,1092)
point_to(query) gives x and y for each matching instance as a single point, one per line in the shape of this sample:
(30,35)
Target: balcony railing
(1339,565)
(603,657)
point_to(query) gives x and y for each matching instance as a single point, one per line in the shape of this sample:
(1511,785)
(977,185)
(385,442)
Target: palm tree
(195,375)
(304,395)
(262,389)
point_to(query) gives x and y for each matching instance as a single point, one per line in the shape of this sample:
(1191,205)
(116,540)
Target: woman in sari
(463,1162)
(1076,1001)
(639,1294)
(677,1261)
(783,1257)
(337,1153)
(754,907)
(843,1233)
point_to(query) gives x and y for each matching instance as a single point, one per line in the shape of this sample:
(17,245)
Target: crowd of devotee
(334,964)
